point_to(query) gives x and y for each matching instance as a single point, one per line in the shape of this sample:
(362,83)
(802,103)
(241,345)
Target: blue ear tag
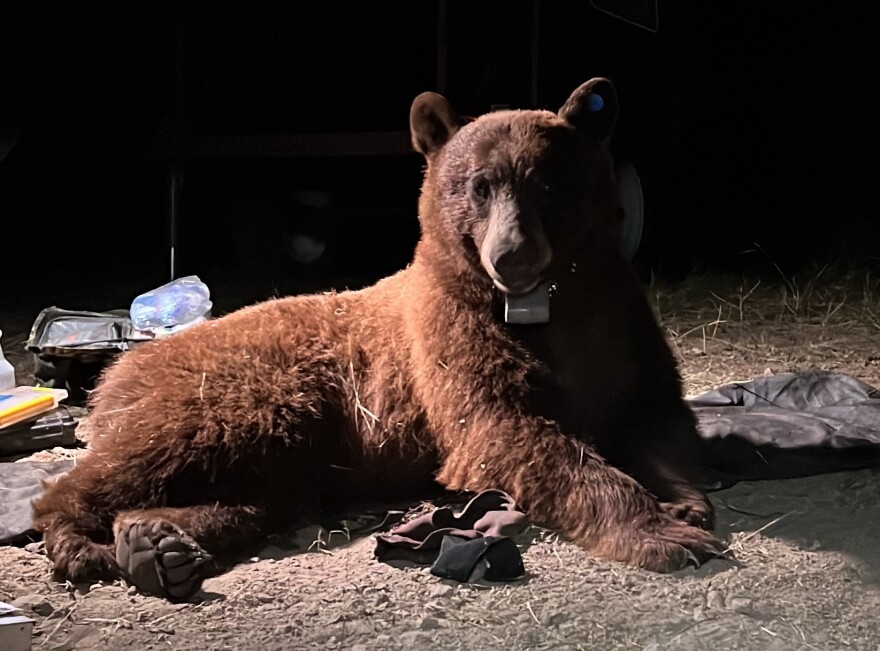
(595,103)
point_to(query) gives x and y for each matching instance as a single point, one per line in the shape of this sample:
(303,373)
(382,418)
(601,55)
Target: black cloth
(492,558)
(491,513)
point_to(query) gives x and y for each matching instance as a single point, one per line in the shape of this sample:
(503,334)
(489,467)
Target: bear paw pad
(161,559)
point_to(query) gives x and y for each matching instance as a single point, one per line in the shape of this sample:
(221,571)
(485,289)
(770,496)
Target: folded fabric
(491,558)
(491,514)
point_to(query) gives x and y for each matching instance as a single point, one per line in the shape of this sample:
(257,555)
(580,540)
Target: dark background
(749,123)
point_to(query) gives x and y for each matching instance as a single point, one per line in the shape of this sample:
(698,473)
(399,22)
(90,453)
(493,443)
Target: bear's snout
(515,253)
(517,264)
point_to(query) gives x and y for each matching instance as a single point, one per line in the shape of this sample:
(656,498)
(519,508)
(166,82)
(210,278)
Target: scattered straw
(67,616)
(739,543)
(532,613)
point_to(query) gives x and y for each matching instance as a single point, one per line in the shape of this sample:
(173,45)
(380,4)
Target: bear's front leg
(665,456)
(673,488)
(562,483)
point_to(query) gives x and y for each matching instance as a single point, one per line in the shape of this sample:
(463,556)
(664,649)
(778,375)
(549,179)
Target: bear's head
(513,196)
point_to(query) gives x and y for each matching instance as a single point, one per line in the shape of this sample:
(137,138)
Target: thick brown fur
(234,427)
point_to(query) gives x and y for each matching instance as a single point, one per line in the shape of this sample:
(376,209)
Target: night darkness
(748,124)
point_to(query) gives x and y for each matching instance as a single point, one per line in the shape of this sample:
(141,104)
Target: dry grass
(723,327)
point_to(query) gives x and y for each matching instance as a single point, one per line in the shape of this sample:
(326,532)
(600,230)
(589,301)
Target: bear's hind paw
(161,559)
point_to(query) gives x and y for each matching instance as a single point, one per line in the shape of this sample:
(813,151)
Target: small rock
(699,352)
(36,548)
(700,614)
(429,624)
(273,553)
(741,605)
(132,590)
(415,640)
(715,600)
(555,619)
(95,586)
(440,590)
(532,638)
(83,636)
(35,603)
(359,627)
(284,629)
(264,598)
(358,647)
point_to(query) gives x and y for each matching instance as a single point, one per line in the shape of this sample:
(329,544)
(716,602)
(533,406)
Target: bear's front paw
(671,544)
(696,511)
(161,559)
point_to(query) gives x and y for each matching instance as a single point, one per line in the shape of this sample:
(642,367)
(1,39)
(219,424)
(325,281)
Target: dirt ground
(806,573)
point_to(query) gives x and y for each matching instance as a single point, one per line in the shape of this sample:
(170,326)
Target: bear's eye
(479,188)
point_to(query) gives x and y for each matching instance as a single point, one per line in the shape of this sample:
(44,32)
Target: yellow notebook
(26,403)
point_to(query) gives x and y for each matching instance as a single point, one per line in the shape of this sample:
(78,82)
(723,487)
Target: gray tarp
(789,425)
(19,484)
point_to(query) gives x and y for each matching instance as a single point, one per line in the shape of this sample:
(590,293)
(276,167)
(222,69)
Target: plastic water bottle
(175,303)
(7,372)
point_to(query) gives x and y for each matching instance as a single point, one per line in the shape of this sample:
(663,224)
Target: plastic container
(7,372)
(176,303)
(16,630)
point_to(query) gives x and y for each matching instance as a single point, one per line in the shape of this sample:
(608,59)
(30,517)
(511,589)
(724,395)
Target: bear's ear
(592,109)
(432,122)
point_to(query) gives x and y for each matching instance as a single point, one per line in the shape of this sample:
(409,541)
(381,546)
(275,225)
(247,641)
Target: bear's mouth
(515,287)
(516,279)
(518,289)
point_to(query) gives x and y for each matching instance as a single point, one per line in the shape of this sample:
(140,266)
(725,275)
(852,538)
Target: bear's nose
(519,263)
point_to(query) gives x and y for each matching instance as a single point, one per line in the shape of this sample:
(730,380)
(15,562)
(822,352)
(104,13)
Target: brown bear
(210,439)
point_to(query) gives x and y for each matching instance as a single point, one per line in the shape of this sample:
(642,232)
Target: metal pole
(442,46)
(173,208)
(536,41)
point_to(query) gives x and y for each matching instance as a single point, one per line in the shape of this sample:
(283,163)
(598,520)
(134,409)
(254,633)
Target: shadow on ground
(830,512)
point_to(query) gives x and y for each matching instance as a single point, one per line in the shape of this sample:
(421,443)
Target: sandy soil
(805,576)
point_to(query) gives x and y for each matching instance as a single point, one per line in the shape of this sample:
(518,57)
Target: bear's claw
(674,545)
(695,512)
(161,559)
